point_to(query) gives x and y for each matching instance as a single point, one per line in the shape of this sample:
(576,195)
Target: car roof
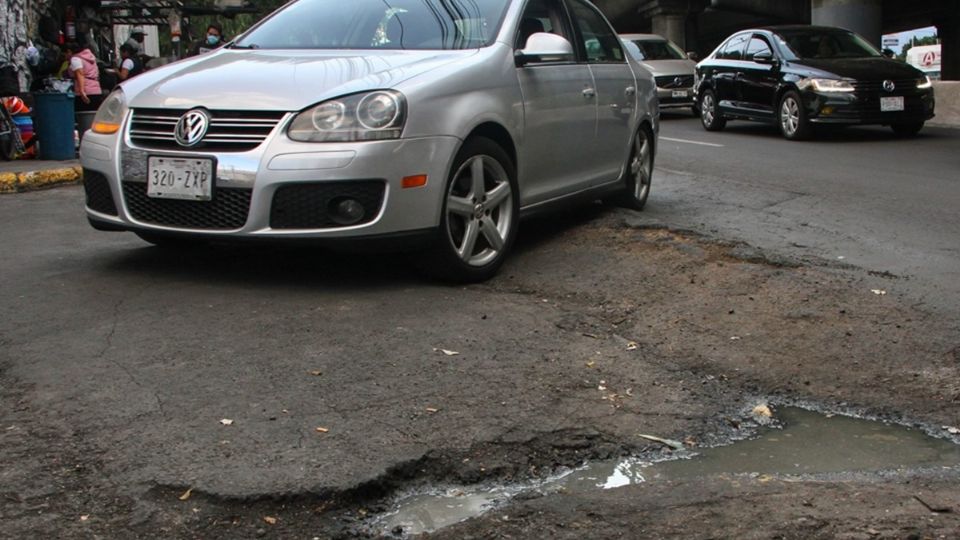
(800,27)
(651,37)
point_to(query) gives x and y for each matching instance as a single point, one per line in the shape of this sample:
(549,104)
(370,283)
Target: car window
(757,45)
(816,43)
(654,49)
(379,24)
(542,16)
(733,48)
(600,42)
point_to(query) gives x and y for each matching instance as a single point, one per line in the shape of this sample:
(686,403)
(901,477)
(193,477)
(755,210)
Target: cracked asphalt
(121,364)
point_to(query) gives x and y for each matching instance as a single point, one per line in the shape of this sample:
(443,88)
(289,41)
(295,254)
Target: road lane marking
(691,142)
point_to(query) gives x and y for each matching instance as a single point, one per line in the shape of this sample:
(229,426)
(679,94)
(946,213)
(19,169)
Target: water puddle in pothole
(808,443)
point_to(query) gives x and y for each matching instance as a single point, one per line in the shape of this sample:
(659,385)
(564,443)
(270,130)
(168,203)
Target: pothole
(799,443)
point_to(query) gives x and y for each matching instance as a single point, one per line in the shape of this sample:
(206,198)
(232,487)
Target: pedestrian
(83,69)
(130,66)
(136,39)
(212,40)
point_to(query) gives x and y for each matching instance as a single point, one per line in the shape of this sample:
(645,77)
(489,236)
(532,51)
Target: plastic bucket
(53,115)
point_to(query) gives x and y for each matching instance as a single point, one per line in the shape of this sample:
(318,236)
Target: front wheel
(710,115)
(908,129)
(639,173)
(794,124)
(480,214)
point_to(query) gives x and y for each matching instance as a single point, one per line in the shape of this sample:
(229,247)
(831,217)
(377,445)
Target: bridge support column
(672,27)
(948,28)
(864,17)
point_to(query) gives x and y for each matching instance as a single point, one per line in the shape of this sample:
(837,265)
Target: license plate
(180,178)
(679,93)
(891,104)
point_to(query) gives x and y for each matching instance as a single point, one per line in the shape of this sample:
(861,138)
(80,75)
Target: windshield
(825,44)
(379,24)
(654,49)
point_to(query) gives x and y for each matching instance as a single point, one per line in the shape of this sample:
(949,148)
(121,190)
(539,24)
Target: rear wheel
(792,116)
(480,214)
(710,115)
(907,129)
(639,171)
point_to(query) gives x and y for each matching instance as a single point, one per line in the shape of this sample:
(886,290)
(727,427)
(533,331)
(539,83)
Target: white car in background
(671,67)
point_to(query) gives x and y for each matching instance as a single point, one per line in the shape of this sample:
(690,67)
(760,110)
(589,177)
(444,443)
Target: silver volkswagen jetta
(433,121)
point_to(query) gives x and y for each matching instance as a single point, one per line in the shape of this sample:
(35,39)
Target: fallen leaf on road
(667,442)
(226,422)
(186,494)
(84,517)
(878,292)
(734,338)
(322,430)
(763,479)
(594,336)
(629,392)
(447,352)
(316,373)
(632,346)
(590,363)
(432,410)
(270,520)
(762,410)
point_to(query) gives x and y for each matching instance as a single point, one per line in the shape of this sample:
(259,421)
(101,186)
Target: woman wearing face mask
(212,40)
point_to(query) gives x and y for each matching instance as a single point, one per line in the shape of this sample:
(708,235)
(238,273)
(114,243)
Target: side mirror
(764,57)
(544,47)
(693,56)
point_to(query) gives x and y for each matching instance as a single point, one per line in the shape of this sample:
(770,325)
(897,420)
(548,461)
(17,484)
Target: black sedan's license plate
(180,178)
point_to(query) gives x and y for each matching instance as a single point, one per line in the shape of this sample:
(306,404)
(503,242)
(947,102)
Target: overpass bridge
(700,25)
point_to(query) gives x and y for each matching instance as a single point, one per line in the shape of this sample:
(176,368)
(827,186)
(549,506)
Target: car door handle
(589,93)
(630,91)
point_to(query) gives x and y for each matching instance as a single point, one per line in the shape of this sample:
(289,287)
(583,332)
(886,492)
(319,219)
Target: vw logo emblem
(678,82)
(191,127)
(888,85)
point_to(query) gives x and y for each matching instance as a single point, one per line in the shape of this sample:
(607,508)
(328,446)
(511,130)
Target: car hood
(278,80)
(861,68)
(661,68)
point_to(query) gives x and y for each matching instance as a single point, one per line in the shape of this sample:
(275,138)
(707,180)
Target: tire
(170,242)
(639,171)
(792,118)
(480,216)
(710,115)
(908,129)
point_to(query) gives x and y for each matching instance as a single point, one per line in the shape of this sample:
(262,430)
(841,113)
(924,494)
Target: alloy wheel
(641,165)
(790,115)
(707,109)
(479,215)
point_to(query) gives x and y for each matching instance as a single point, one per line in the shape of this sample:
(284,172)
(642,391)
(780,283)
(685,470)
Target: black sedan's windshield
(379,24)
(826,44)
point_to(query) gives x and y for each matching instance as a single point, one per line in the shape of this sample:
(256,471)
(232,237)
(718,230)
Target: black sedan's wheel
(639,170)
(480,214)
(908,129)
(792,117)
(710,115)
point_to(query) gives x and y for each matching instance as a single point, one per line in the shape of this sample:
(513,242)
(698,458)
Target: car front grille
(99,197)
(229,131)
(226,211)
(901,87)
(675,81)
(308,205)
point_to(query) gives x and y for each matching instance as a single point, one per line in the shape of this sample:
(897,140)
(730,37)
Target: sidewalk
(30,174)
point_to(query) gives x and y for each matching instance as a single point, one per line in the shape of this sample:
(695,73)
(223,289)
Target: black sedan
(796,76)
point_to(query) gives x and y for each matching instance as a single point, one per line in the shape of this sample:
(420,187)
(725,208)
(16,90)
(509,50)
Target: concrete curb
(15,182)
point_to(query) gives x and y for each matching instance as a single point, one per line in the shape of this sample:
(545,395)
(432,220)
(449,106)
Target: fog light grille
(99,196)
(315,205)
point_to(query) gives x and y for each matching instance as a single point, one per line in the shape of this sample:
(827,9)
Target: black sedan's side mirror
(693,56)
(764,57)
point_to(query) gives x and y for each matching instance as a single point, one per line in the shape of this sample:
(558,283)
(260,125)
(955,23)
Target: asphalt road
(858,196)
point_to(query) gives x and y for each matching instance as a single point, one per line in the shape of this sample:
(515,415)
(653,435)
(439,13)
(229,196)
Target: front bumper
(249,184)
(864,107)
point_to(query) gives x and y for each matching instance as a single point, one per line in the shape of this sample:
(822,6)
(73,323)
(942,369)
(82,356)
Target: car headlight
(924,83)
(110,114)
(371,116)
(827,85)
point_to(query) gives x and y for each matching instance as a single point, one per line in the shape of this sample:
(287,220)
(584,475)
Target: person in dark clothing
(213,39)
(130,66)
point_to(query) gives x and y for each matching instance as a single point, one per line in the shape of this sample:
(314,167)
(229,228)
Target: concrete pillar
(672,27)
(948,28)
(864,17)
